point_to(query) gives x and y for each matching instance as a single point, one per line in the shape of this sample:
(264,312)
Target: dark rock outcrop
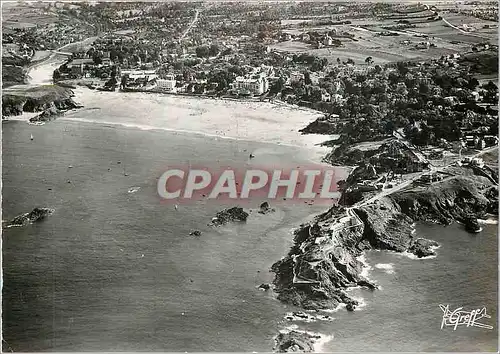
(422,247)
(322,262)
(37,214)
(229,215)
(472,225)
(295,341)
(265,208)
(51,100)
(385,226)
(264,286)
(322,125)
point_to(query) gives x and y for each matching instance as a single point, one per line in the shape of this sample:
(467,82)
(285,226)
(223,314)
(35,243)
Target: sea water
(114,269)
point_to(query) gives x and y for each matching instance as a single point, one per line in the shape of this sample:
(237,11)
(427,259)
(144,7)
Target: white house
(167,84)
(257,84)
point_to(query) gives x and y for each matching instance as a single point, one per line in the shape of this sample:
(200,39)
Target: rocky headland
(49,100)
(325,258)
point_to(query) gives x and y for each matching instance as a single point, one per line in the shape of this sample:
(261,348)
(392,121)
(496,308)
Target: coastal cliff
(50,100)
(325,258)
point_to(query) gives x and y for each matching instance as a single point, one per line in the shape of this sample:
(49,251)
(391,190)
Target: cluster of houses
(255,83)
(479,142)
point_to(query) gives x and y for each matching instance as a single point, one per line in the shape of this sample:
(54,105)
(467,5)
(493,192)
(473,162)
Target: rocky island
(37,214)
(295,341)
(229,215)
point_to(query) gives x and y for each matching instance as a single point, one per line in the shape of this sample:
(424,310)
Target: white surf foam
(365,272)
(414,257)
(387,267)
(319,344)
(488,221)
(134,189)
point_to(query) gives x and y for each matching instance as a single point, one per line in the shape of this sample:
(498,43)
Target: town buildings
(168,84)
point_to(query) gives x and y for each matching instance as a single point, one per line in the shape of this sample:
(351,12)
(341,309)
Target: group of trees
(207,51)
(313,62)
(429,102)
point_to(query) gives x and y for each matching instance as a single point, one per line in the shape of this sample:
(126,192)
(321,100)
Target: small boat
(176,206)
(31,137)
(252,156)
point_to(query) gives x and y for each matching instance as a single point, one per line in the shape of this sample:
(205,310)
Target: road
(416,177)
(452,25)
(196,15)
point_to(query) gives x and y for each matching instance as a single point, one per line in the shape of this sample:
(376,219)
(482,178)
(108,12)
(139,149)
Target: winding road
(196,15)
(416,177)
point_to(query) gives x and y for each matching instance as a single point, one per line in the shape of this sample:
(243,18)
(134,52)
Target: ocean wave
(414,257)
(305,317)
(319,346)
(336,309)
(489,221)
(387,267)
(361,302)
(366,267)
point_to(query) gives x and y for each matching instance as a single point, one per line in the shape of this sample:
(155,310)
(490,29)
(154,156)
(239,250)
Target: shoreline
(361,278)
(213,121)
(221,119)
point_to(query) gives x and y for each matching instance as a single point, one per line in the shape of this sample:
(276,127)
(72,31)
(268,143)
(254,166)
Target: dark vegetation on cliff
(13,75)
(51,100)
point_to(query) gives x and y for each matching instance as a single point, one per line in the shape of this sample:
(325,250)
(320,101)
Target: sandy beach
(246,120)
(276,123)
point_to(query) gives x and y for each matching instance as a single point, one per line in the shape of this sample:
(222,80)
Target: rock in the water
(265,208)
(195,233)
(422,247)
(264,286)
(472,225)
(229,215)
(295,341)
(37,214)
(350,307)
